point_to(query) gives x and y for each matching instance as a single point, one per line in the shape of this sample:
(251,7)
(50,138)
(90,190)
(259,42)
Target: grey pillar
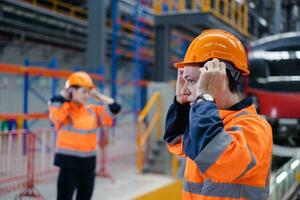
(96,35)
(162,67)
(289,16)
(277,16)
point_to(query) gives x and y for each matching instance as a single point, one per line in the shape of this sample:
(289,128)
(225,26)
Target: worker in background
(76,124)
(228,146)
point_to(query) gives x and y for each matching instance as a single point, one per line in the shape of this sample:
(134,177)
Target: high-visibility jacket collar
(75,105)
(224,114)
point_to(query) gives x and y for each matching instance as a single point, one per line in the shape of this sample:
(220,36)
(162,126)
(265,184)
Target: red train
(274,84)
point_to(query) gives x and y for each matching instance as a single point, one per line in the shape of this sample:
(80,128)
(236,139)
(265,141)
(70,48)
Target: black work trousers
(71,180)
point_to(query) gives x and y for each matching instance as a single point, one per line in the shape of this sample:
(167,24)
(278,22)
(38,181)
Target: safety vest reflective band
(78,142)
(215,148)
(78,131)
(74,140)
(234,164)
(225,190)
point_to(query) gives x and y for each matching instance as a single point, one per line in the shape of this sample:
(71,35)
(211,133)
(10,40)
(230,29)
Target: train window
(275,75)
(285,68)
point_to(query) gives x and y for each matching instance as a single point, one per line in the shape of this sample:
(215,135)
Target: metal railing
(61,7)
(143,135)
(237,17)
(284,178)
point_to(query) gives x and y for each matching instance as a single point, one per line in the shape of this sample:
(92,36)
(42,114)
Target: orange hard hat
(216,43)
(81,79)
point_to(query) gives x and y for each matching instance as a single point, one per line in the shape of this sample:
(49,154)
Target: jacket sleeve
(219,153)
(103,118)
(176,124)
(58,110)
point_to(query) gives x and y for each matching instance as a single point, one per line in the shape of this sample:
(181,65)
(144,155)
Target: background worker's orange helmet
(81,79)
(216,43)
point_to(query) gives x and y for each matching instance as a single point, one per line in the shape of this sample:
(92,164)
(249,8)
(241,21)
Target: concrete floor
(127,183)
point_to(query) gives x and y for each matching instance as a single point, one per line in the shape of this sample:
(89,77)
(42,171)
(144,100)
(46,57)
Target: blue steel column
(26,92)
(143,87)
(54,85)
(53,65)
(136,60)
(114,58)
(143,91)
(25,105)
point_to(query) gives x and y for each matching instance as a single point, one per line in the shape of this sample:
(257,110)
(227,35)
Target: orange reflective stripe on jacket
(77,128)
(235,164)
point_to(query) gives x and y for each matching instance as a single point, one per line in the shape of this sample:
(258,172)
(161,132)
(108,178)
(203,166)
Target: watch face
(208,97)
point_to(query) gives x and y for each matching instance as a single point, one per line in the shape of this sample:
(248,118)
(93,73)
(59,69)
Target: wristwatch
(204,97)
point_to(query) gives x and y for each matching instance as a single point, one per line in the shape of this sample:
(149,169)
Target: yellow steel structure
(61,7)
(238,17)
(171,191)
(144,135)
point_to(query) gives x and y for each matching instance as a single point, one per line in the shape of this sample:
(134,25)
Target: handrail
(63,8)
(238,17)
(40,71)
(284,178)
(143,136)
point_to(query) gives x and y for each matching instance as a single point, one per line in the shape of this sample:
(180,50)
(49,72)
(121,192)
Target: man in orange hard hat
(76,124)
(228,147)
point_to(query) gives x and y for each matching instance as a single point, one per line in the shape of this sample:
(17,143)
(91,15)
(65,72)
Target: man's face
(190,76)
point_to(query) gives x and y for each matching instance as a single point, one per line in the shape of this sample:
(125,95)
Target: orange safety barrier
(9,116)
(26,158)
(40,71)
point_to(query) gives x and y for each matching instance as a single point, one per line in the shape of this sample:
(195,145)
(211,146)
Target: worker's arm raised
(114,106)
(59,108)
(176,124)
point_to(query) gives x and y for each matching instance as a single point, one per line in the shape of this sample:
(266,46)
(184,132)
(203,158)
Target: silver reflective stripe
(92,112)
(212,151)
(195,188)
(250,165)
(175,140)
(76,153)
(253,161)
(226,190)
(242,113)
(80,131)
(253,193)
(235,128)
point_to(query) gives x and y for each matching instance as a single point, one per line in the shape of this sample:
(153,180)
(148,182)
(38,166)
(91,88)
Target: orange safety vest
(235,164)
(77,128)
